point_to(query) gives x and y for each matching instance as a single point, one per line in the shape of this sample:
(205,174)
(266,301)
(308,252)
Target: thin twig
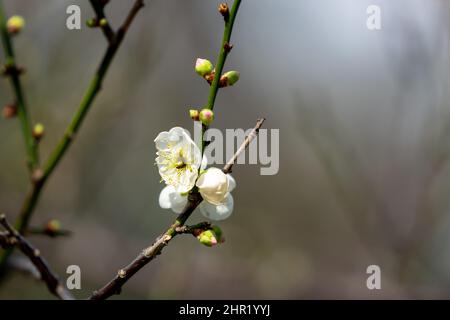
(46,232)
(151,252)
(13,238)
(202,226)
(252,135)
(14,75)
(40,179)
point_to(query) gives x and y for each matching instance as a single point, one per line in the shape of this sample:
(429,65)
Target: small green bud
(203,67)
(52,227)
(38,131)
(206,116)
(103,22)
(211,237)
(194,114)
(15,24)
(229,78)
(207,238)
(91,23)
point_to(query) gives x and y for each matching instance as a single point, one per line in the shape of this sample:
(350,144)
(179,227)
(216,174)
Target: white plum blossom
(179,159)
(215,188)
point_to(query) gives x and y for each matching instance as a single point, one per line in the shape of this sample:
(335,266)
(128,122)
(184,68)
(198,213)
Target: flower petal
(164,197)
(169,198)
(161,140)
(178,202)
(219,212)
(213,186)
(204,162)
(231,183)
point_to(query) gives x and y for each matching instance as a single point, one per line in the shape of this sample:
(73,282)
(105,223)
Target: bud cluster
(94,22)
(205,69)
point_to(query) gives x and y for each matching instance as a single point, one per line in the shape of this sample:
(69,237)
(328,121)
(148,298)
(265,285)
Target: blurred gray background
(364,119)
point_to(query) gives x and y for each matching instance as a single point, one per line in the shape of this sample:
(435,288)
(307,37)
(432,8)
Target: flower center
(180,165)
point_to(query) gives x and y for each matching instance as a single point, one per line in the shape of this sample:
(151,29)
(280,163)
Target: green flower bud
(194,114)
(53,226)
(229,78)
(91,23)
(207,238)
(203,67)
(211,237)
(15,24)
(206,116)
(38,131)
(103,22)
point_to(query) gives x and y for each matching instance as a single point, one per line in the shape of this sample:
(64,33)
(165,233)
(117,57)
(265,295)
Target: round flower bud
(38,131)
(15,24)
(9,111)
(103,22)
(52,227)
(206,116)
(194,114)
(207,238)
(211,237)
(91,23)
(229,78)
(213,186)
(203,67)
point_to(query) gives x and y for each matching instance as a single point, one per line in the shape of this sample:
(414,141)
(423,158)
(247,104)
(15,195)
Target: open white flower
(215,189)
(178,160)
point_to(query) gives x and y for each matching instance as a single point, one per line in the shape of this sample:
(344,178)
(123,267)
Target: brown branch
(138,4)
(195,229)
(148,254)
(252,135)
(98,6)
(11,238)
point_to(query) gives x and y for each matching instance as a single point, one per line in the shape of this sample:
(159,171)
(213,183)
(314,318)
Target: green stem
(30,142)
(223,53)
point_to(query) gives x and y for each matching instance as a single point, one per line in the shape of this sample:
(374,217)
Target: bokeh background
(364,119)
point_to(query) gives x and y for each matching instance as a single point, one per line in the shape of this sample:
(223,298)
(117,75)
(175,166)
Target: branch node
(121,273)
(227,47)
(37,175)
